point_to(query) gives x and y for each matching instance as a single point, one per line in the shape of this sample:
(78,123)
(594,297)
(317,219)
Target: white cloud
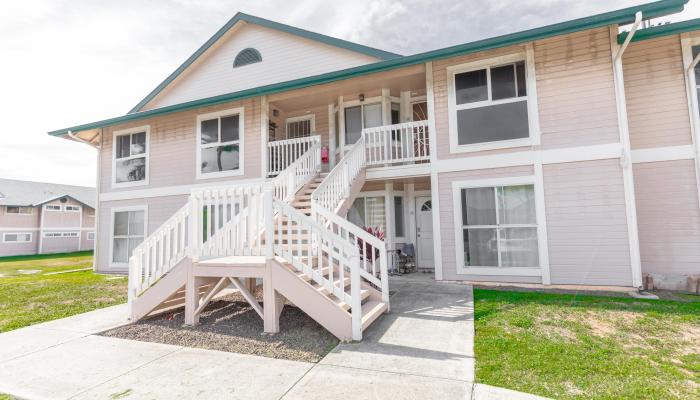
(70,62)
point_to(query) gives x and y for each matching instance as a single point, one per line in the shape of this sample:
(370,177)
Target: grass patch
(27,299)
(6,397)
(587,347)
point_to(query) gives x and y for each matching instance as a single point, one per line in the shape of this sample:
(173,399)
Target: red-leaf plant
(366,248)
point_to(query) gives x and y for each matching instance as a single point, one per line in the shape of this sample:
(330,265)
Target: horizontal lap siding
(63,218)
(575,90)
(657,103)
(668,217)
(586,223)
(173,147)
(447,232)
(159,209)
(60,245)
(19,220)
(15,249)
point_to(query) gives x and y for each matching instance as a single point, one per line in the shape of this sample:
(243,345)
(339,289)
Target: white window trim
(47,207)
(31,210)
(53,234)
(138,129)
(65,208)
(72,234)
(306,117)
(457,186)
(382,194)
(241,146)
(531,98)
(91,236)
(4,237)
(355,103)
(113,211)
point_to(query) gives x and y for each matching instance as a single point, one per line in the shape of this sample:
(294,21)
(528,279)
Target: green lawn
(29,298)
(588,347)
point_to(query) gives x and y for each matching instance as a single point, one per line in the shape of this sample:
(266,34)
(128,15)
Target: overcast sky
(68,62)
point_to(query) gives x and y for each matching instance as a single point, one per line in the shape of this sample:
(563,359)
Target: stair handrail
(298,173)
(159,252)
(282,153)
(325,203)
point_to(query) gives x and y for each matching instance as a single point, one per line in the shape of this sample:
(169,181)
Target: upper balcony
(390,113)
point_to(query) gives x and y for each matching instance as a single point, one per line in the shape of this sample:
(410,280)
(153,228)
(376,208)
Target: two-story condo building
(565,154)
(42,218)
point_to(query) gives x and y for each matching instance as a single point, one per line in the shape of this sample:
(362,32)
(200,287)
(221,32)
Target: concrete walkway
(422,349)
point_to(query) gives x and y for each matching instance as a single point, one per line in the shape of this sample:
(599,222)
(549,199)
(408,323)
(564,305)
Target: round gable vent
(247,56)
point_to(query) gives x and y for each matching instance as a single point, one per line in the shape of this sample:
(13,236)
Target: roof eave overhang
(618,17)
(662,30)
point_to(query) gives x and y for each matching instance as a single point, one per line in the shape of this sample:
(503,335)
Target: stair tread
(371,310)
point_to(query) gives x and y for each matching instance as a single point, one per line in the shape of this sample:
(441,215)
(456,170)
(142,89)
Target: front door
(425,256)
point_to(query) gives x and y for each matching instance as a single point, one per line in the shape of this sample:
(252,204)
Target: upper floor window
(360,117)
(220,141)
(130,157)
(491,104)
(247,56)
(18,210)
(52,207)
(72,208)
(300,126)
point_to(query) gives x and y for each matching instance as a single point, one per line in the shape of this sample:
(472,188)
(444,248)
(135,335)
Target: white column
(434,183)
(410,218)
(389,209)
(341,122)
(406,114)
(264,133)
(331,136)
(386,107)
(41,229)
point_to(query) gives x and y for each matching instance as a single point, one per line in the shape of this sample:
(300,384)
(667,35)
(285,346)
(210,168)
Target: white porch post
(264,133)
(405,101)
(389,207)
(434,182)
(341,122)
(331,136)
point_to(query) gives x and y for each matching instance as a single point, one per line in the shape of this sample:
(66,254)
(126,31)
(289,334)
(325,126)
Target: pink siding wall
(657,104)
(173,147)
(159,209)
(62,218)
(669,218)
(586,223)
(449,264)
(14,249)
(60,245)
(19,220)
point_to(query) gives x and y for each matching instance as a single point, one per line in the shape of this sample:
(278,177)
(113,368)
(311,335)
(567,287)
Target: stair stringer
(355,189)
(315,304)
(160,291)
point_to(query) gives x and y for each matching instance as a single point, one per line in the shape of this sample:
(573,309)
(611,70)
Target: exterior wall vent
(247,56)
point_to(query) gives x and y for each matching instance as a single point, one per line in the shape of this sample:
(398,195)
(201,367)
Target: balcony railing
(404,143)
(282,153)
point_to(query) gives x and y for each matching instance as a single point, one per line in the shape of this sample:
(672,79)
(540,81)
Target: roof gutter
(626,156)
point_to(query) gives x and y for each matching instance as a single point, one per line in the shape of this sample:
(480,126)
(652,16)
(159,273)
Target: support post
(271,321)
(356,300)
(191,297)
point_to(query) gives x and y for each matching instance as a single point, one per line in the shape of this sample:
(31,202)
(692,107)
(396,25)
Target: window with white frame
(128,231)
(53,207)
(91,236)
(300,126)
(220,138)
(370,211)
(70,234)
(72,208)
(53,234)
(17,237)
(18,210)
(498,226)
(491,104)
(130,161)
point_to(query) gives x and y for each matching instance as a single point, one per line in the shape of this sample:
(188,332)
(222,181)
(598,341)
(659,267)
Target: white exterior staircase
(289,231)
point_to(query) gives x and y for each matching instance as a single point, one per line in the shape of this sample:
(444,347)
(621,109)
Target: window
(17,237)
(247,56)
(70,234)
(53,234)
(53,207)
(368,212)
(18,210)
(398,217)
(220,138)
(130,162)
(91,236)
(128,231)
(300,126)
(498,226)
(491,104)
(360,117)
(72,208)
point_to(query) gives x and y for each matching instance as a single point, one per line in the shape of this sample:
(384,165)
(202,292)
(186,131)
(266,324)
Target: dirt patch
(230,324)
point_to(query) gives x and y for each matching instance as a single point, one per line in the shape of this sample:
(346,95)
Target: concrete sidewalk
(422,349)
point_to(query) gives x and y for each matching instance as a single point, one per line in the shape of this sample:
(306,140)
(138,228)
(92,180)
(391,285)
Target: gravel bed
(230,324)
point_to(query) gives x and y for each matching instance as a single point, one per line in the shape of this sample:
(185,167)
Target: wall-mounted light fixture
(275,113)
(362,97)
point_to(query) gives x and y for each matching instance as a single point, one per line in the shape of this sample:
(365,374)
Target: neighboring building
(558,155)
(42,218)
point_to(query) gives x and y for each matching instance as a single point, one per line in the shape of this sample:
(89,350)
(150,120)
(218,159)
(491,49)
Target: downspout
(690,82)
(626,159)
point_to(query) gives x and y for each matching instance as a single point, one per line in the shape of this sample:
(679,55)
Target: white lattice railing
(282,153)
(394,144)
(159,252)
(325,201)
(289,181)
